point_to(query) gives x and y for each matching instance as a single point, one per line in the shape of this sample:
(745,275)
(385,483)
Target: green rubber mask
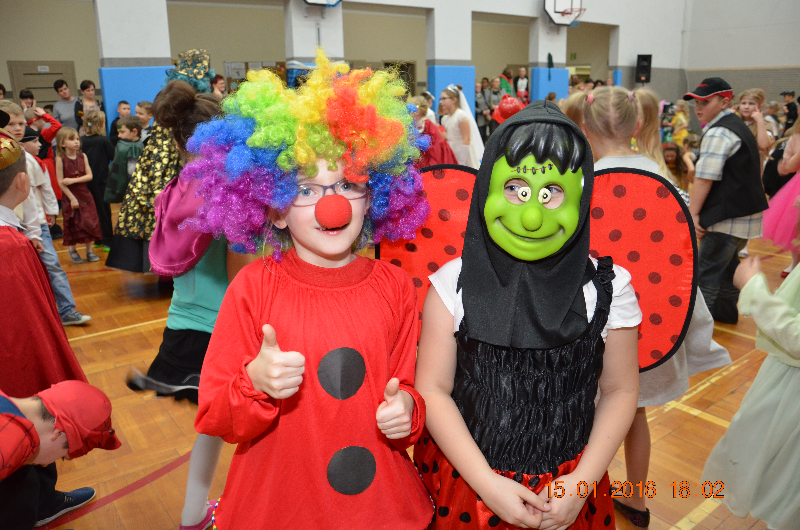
(532,210)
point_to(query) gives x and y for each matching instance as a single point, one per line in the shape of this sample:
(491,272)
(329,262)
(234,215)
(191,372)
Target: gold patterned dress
(158,164)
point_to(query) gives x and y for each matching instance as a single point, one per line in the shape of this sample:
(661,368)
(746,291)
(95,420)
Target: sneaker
(97,244)
(205,523)
(92,257)
(637,518)
(75,318)
(186,389)
(71,500)
(106,248)
(74,256)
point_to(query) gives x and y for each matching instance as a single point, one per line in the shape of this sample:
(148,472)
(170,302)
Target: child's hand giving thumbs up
(275,372)
(395,413)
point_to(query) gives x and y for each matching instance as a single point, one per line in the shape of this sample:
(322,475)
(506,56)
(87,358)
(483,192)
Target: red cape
(439,152)
(34,351)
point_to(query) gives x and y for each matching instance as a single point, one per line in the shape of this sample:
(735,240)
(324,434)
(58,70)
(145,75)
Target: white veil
(475,153)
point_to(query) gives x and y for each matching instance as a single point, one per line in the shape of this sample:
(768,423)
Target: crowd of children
(524,368)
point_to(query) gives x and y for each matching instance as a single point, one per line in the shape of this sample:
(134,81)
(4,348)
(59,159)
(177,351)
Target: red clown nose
(333,211)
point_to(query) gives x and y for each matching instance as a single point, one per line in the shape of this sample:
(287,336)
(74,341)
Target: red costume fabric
(81,225)
(439,152)
(18,440)
(34,351)
(316,459)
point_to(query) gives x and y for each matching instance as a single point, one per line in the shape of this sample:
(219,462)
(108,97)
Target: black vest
(740,191)
(531,410)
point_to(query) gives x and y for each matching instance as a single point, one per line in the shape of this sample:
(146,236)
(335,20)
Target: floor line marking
(701,414)
(697,515)
(127,490)
(737,333)
(123,328)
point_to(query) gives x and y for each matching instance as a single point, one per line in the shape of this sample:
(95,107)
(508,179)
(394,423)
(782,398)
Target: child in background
(81,224)
(330,410)
(99,152)
(144,111)
(680,122)
(610,117)
(48,127)
(780,219)
(771,109)
(676,164)
(127,152)
(123,110)
(26,99)
(691,148)
(750,102)
(757,459)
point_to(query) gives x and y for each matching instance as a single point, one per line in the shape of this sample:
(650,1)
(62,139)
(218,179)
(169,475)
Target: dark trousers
(98,189)
(717,261)
(28,495)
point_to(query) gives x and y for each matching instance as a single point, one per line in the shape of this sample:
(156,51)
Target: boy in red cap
(727,198)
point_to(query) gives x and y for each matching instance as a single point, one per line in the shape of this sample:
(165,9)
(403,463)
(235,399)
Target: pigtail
(648,138)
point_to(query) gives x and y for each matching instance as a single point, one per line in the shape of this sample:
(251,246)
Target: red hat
(508,107)
(83,413)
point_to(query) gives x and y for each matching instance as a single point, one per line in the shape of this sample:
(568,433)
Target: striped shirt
(717,146)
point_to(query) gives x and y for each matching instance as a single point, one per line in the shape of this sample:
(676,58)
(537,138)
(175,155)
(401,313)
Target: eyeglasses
(308,194)
(444,98)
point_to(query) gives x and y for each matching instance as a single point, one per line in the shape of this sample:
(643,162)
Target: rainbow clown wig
(251,155)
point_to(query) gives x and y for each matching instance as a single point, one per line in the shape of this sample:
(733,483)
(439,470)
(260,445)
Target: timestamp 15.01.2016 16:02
(683,489)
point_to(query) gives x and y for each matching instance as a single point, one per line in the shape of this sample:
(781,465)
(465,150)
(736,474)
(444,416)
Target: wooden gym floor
(141,485)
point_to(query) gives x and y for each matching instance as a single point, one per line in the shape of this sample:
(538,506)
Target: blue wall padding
(616,76)
(440,76)
(546,80)
(132,84)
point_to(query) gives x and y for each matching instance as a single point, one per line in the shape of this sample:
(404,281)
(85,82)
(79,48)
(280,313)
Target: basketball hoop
(574,14)
(564,12)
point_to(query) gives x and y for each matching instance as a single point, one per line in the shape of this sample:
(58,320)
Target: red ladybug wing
(448,188)
(641,222)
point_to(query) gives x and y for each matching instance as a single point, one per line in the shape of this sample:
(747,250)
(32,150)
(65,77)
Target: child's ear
(277,218)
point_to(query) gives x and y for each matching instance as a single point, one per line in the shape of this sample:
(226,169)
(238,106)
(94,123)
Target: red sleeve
(18,442)
(403,360)
(229,406)
(50,133)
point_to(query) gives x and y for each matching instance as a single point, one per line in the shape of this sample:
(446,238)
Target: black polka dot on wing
(597,213)
(615,235)
(444,215)
(654,277)
(675,301)
(656,354)
(673,339)
(534,481)
(676,260)
(656,236)
(464,234)
(638,296)
(639,214)
(455,474)
(607,520)
(592,507)
(425,440)
(619,191)
(655,319)
(586,515)
(640,336)
(433,267)
(435,467)
(438,174)
(633,256)
(494,521)
(417,282)
(593,253)
(518,477)
(426,232)
(680,217)
(341,372)
(662,192)
(424,193)
(351,470)
(425,467)
(396,262)
(462,195)
(411,247)
(465,517)
(443,511)
(450,250)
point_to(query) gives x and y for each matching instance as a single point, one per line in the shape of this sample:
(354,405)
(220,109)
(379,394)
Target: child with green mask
(513,435)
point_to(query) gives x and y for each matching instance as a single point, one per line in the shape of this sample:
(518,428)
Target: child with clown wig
(310,368)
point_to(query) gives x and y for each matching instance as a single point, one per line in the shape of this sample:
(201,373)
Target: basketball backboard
(323,3)
(564,12)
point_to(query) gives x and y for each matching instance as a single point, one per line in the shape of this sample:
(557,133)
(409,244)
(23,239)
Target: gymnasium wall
(498,42)
(590,45)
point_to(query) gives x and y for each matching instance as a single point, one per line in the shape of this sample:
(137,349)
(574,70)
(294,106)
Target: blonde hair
(682,106)
(65,133)
(753,93)
(9,107)
(30,114)
(692,141)
(648,139)
(420,102)
(611,113)
(94,123)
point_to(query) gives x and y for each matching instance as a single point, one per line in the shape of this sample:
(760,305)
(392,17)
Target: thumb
(270,339)
(392,389)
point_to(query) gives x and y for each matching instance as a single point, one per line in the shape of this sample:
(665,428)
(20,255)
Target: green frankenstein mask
(532,210)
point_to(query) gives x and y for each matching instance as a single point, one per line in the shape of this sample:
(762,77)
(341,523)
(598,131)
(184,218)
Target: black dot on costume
(435,467)
(676,260)
(463,234)
(654,277)
(519,477)
(444,215)
(465,517)
(619,191)
(479,498)
(655,319)
(425,440)
(640,336)
(443,511)
(554,472)
(438,174)
(341,372)
(586,515)
(615,235)
(639,214)
(533,482)
(417,282)
(433,267)
(494,521)
(633,256)
(594,254)
(424,193)
(656,236)
(462,195)
(411,247)
(425,467)
(638,296)
(450,250)
(455,474)
(597,213)
(592,508)
(607,520)
(680,217)
(675,301)
(351,470)
(673,339)
(426,233)
(662,192)
(396,262)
